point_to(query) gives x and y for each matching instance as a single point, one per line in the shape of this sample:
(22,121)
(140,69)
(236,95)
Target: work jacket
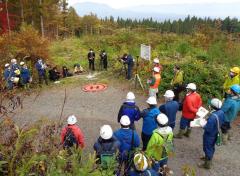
(191,104)
(76,132)
(130,109)
(230,82)
(155,81)
(158,142)
(128,139)
(170,109)
(211,128)
(149,120)
(231,108)
(110,146)
(178,78)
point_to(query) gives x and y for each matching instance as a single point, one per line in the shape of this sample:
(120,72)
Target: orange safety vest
(157,81)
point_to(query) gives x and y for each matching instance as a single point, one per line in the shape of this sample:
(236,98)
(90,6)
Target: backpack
(167,147)
(69,139)
(107,158)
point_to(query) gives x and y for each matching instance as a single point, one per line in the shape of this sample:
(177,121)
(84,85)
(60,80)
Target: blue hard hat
(235,88)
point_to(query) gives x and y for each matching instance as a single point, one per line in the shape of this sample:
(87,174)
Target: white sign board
(145,52)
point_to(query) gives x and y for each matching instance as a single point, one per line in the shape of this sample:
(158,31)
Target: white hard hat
(106,132)
(7,65)
(162,119)
(13,61)
(216,103)
(22,63)
(72,120)
(156,69)
(140,162)
(125,121)
(156,61)
(191,86)
(152,100)
(169,94)
(130,96)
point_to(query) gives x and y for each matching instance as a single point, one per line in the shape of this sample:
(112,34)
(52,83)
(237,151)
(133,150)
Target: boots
(225,138)
(203,158)
(206,165)
(179,134)
(230,135)
(187,134)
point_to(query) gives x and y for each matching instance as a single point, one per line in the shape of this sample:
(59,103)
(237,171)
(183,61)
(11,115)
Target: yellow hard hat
(17,72)
(235,70)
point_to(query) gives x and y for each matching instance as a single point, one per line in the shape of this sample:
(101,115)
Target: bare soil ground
(95,109)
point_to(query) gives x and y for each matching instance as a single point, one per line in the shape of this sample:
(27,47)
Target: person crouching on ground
(211,129)
(141,166)
(160,144)
(170,108)
(130,109)
(191,103)
(154,82)
(149,116)
(72,135)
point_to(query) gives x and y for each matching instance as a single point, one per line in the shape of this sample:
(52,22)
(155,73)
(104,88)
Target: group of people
(103,60)
(158,124)
(16,74)
(123,145)
(19,75)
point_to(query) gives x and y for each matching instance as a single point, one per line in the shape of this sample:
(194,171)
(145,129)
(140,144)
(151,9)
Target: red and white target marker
(94,87)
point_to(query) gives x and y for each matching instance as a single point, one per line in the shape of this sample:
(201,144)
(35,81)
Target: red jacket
(191,104)
(77,133)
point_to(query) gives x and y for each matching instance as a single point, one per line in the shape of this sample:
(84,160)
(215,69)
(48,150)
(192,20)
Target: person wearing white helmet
(129,141)
(211,129)
(163,138)
(25,75)
(177,82)
(130,109)
(141,166)
(72,135)
(190,105)
(170,108)
(106,146)
(154,82)
(15,67)
(7,74)
(149,116)
(156,63)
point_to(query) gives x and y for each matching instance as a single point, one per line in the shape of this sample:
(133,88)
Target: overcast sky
(127,3)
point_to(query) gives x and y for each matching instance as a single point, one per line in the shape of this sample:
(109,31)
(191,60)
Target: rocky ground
(95,109)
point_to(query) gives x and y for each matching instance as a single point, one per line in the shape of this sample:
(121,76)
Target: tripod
(137,79)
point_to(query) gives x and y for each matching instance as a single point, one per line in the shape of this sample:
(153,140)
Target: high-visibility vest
(157,81)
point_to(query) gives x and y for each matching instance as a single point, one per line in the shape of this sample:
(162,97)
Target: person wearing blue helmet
(231,107)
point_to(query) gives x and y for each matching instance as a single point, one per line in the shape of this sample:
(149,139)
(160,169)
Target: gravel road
(95,109)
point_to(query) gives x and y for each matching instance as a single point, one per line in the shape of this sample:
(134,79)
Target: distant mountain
(161,12)
(103,10)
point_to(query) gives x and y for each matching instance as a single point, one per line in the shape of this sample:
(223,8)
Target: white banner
(145,52)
